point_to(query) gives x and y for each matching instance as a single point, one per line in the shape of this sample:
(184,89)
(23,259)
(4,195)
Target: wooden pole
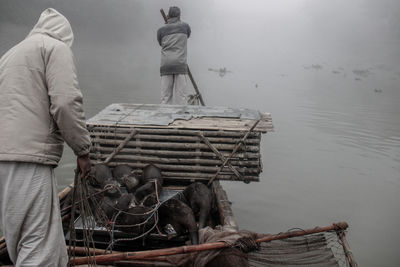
(233,152)
(346,248)
(189,72)
(174,153)
(93,251)
(184,146)
(212,162)
(333,227)
(222,158)
(190,168)
(171,137)
(196,248)
(118,149)
(65,192)
(195,87)
(171,131)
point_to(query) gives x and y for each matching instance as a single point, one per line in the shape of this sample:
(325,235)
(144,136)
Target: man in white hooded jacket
(40,108)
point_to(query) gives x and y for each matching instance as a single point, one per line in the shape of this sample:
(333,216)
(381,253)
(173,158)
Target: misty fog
(328,71)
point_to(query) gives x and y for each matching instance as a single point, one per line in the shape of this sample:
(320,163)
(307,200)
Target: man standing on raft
(40,107)
(172,38)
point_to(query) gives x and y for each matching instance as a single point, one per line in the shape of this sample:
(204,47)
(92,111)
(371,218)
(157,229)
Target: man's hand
(84,165)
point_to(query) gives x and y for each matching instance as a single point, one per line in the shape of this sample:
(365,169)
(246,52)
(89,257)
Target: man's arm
(159,36)
(66,102)
(189,31)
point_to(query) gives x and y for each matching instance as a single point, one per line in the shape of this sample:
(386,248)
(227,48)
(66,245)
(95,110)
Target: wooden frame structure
(200,148)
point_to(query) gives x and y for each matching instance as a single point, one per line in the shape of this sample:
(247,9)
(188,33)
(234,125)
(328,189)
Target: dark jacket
(173,41)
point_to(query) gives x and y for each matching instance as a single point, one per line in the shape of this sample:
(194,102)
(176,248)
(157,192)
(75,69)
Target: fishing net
(322,249)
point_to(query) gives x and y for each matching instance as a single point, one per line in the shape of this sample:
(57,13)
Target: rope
(80,191)
(71,225)
(153,212)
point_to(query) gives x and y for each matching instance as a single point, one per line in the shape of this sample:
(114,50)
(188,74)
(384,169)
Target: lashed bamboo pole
(93,251)
(207,142)
(174,153)
(129,137)
(188,168)
(175,138)
(189,72)
(189,179)
(233,152)
(96,251)
(210,124)
(207,246)
(143,263)
(172,145)
(65,192)
(213,162)
(202,175)
(172,131)
(347,251)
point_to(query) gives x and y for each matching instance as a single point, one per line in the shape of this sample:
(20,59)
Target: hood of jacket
(54,24)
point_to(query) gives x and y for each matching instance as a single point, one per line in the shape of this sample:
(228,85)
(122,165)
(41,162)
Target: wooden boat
(194,144)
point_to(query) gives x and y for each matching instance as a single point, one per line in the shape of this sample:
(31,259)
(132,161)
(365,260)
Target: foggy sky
(115,41)
(328,71)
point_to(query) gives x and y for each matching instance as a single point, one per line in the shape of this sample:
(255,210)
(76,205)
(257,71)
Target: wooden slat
(206,176)
(181,160)
(170,131)
(170,145)
(202,124)
(171,153)
(202,179)
(222,124)
(113,136)
(188,168)
(224,208)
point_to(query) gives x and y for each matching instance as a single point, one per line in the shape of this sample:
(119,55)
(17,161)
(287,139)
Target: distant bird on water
(221,71)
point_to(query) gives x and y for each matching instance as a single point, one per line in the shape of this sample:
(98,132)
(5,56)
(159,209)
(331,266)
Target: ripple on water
(360,127)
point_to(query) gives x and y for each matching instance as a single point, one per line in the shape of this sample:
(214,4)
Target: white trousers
(30,215)
(173,89)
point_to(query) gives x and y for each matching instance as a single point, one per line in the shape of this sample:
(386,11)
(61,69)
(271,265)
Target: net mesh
(323,249)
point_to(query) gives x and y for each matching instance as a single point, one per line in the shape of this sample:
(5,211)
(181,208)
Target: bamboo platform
(186,142)
(192,143)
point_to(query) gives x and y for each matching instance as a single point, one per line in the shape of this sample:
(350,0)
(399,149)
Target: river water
(332,90)
(334,156)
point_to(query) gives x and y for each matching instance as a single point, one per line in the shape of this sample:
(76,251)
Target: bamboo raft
(188,143)
(193,143)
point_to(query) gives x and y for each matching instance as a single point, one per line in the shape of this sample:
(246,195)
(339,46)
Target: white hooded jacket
(40,99)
